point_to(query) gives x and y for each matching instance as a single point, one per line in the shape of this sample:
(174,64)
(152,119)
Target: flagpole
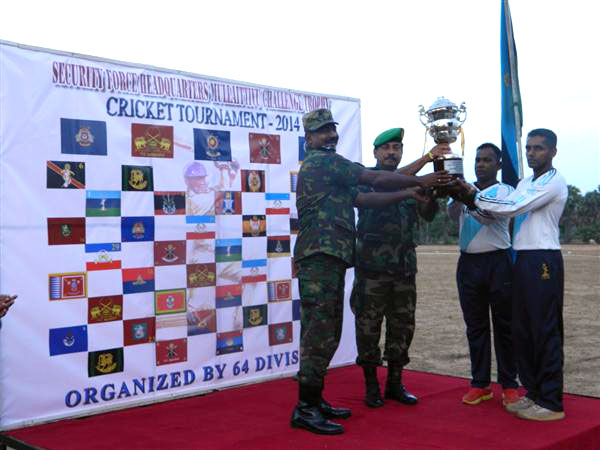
(513,86)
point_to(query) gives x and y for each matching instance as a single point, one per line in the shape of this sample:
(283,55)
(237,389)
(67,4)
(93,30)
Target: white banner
(147,225)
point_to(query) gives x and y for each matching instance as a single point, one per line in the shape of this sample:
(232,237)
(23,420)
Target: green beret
(393,134)
(314,120)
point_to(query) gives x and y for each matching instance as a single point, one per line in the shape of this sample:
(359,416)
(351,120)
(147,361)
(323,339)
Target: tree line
(580,222)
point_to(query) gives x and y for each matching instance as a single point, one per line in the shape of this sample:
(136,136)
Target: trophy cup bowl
(443,121)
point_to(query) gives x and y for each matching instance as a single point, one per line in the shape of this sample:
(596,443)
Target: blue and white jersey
(481,232)
(537,206)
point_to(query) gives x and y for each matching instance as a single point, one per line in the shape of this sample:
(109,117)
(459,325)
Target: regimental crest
(170,301)
(83,137)
(151,140)
(169,253)
(545,275)
(139,331)
(64,286)
(253,181)
(229,295)
(201,275)
(65,175)
(264,148)
(278,246)
(227,250)
(254,225)
(212,145)
(169,203)
(105,309)
(230,342)
(68,340)
(228,202)
(102,203)
(280,290)
(138,280)
(137,229)
(280,333)
(66,230)
(137,178)
(255,316)
(171,351)
(104,362)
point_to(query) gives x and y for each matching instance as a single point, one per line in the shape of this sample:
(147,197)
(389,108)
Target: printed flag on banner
(137,229)
(253,180)
(66,286)
(102,203)
(280,333)
(66,230)
(151,140)
(254,270)
(230,342)
(230,295)
(264,148)
(68,340)
(205,227)
(169,203)
(278,246)
(170,301)
(254,225)
(277,203)
(228,250)
(212,145)
(512,112)
(138,280)
(201,321)
(105,362)
(255,316)
(171,351)
(105,309)
(201,275)
(82,137)
(301,147)
(169,253)
(103,256)
(137,178)
(295,309)
(139,331)
(228,202)
(65,175)
(280,290)
(293,181)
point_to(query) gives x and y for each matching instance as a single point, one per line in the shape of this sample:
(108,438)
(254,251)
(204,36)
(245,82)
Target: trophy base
(454,166)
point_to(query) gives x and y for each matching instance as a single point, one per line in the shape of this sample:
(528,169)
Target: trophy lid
(442,103)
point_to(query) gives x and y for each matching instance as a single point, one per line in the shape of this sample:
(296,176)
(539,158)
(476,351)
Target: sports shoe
(522,404)
(476,395)
(537,412)
(510,395)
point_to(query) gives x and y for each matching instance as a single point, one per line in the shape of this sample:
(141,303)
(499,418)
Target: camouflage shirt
(385,237)
(327,187)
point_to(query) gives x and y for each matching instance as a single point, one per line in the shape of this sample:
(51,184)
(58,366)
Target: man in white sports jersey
(538,284)
(484,280)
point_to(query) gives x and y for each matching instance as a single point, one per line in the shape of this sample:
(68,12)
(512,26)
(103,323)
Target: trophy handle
(421,114)
(462,113)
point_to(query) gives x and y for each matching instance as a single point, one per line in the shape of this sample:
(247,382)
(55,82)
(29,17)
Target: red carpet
(257,417)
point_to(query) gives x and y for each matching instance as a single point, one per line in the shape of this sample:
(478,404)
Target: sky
(392,55)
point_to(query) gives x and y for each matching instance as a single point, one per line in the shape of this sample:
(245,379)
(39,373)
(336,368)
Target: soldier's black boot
(394,389)
(373,394)
(331,412)
(307,413)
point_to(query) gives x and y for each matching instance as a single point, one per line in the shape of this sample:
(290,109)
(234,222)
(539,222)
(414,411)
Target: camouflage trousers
(321,281)
(377,295)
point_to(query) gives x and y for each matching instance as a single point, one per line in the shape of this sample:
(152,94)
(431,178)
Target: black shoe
(311,419)
(333,413)
(397,392)
(373,397)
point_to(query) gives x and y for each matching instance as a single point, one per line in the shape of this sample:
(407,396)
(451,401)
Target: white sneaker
(537,412)
(523,403)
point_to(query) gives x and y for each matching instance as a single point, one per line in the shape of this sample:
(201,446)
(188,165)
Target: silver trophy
(443,121)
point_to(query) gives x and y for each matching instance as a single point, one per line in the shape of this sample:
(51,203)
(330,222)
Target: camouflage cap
(393,134)
(314,120)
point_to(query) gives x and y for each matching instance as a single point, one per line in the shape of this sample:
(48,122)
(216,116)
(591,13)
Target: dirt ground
(440,344)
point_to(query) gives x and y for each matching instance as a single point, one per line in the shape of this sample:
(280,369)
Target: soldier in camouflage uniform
(384,284)
(326,195)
